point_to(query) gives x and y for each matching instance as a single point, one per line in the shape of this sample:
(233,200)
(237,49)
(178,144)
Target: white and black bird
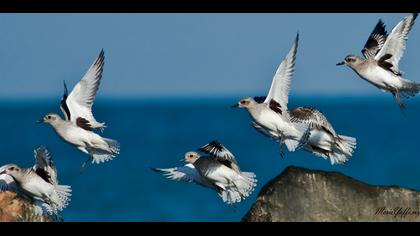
(324,141)
(270,115)
(382,53)
(79,123)
(38,182)
(217,170)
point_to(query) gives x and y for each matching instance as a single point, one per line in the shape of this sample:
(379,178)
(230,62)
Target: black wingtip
(155,169)
(260,99)
(65,88)
(215,143)
(101,57)
(380,27)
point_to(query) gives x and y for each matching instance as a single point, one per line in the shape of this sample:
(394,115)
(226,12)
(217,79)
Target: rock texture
(300,194)
(15,208)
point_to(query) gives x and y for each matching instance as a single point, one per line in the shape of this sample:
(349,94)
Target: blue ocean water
(157,133)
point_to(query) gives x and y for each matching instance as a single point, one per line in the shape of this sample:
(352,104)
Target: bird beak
(40,121)
(340,63)
(235,106)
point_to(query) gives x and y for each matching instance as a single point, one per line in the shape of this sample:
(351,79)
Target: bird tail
(244,185)
(114,146)
(343,149)
(60,199)
(346,144)
(293,144)
(230,196)
(101,156)
(409,88)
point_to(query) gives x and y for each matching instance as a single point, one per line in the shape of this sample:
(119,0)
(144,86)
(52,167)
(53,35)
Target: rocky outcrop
(15,208)
(300,194)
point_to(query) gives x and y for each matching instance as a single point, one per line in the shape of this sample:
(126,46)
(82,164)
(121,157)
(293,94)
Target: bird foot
(83,166)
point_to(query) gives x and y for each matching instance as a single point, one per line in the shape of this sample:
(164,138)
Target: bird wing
(78,104)
(395,42)
(312,117)
(261,130)
(218,151)
(375,41)
(280,86)
(186,173)
(221,154)
(260,99)
(44,165)
(7,183)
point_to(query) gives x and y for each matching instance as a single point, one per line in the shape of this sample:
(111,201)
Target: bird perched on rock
(39,182)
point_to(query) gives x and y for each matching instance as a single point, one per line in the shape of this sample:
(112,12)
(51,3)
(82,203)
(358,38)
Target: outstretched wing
(78,104)
(394,45)
(44,166)
(375,41)
(279,90)
(185,173)
(312,117)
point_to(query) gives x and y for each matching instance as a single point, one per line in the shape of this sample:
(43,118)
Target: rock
(300,194)
(15,208)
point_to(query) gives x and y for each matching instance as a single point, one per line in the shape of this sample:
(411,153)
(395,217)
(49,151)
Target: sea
(158,132)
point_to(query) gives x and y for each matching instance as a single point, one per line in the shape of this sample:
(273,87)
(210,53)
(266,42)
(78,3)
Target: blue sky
(187,55)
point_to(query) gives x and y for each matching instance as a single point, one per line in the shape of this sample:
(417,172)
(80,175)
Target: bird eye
(242,101)
(191,155)
(12,168)
(48,117)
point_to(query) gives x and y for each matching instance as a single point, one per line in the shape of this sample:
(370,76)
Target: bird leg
(281,147)
(82,168)
(399,100)
(59,217)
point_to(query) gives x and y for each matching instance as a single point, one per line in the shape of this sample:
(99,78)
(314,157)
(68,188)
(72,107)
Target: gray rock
(300,194)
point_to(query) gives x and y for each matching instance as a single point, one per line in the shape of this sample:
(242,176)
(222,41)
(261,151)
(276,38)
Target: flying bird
(323,141)
(77,127)
(270,115)
(380,65)
(217,170)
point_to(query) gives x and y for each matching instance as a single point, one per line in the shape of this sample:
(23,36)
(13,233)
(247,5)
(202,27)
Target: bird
(323,141)
(269,114)
(218,170)
(380,65)
(79,123)
(38,182)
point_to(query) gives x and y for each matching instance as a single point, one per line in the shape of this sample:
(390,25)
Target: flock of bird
(217,168)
